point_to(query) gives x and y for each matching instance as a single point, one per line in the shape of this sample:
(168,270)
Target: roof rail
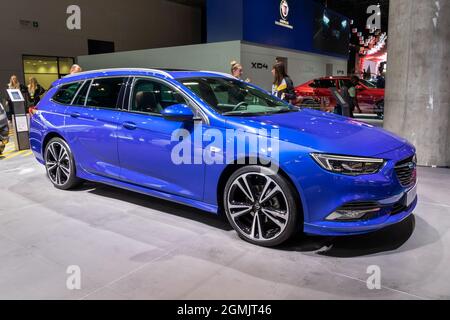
(155,71)
(227,75)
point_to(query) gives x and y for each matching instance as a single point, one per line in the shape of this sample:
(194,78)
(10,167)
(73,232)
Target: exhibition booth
(311,40)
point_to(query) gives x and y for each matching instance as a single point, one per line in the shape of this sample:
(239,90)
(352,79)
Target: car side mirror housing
(178,112)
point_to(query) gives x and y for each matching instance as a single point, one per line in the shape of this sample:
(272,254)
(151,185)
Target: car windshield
(367,83)
(232,97)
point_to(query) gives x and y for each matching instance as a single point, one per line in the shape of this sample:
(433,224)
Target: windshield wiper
(284,111)
(243,113)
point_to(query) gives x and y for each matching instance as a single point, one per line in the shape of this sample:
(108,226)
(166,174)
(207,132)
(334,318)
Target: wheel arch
(231,168)
(49,136)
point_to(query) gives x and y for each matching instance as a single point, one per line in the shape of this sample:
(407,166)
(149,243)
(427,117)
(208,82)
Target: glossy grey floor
(129,246)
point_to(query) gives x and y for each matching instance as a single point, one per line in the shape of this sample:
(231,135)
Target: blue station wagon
(176,136)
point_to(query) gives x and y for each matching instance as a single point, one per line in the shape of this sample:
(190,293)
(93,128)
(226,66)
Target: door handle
(75,115)
(129,125)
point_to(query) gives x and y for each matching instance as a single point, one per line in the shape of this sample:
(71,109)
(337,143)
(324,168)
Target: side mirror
(178,112)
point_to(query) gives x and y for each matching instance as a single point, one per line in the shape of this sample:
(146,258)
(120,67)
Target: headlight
(348,165)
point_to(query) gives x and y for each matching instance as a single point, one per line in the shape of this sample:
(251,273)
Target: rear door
(92,123)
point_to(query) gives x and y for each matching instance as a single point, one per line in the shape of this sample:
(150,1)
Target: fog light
(345,215)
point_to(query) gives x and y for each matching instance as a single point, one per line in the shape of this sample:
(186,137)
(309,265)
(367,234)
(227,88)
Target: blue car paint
(139,159)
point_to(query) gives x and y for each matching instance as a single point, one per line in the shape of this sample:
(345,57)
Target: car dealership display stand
(21,126)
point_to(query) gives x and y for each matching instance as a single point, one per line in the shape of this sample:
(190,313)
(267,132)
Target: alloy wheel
(57,162)
(258,206)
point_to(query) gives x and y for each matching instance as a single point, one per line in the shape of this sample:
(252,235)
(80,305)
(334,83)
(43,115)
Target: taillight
(32,110)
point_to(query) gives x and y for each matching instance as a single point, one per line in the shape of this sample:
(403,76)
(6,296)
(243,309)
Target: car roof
(137,72)
(334,78)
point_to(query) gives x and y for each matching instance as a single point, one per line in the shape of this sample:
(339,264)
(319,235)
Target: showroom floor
(129,246)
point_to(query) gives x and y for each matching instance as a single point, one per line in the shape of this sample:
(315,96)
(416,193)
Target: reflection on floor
(10,150)
(136,247)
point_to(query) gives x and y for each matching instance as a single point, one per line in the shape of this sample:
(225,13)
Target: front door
(145,142)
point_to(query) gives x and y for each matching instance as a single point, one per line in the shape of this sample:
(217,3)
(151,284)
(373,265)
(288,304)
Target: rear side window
(104,93)
(81,96)
(66,93)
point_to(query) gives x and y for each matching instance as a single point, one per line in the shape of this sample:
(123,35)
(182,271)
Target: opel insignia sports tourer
(211,141)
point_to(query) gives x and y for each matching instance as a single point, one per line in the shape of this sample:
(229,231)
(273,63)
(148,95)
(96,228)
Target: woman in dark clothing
(35,91)
(282,87)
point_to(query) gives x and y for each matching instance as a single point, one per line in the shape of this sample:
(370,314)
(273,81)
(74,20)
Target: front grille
(372,208)
(406,171)
(398,208)
(360,205)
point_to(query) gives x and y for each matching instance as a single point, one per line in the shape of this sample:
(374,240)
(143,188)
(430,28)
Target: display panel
(331,32)
(15,95)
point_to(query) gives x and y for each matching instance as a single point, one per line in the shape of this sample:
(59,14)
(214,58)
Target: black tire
(269,233)
(57,163)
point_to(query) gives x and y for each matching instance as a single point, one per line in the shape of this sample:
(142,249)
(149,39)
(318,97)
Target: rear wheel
(261,206)
(60,164)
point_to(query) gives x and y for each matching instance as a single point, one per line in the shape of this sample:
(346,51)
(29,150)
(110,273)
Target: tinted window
(81,96)
(367,83)
(233,97)
(66,93)
(345,83)
(104,93)
(153,97)
(325,83)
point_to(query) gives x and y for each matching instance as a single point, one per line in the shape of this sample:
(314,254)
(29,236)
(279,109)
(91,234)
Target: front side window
(150,96)
(234,97)
(66,93)
(367,84)
(345,83)
(325,83)
(104,92)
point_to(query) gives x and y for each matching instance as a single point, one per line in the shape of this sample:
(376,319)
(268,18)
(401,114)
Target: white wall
(217,57)
(302,66)
(211,56)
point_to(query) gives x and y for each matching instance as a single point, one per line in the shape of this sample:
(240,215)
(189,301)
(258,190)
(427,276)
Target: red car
(370,98)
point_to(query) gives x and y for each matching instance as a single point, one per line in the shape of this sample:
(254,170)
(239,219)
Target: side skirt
(150,192)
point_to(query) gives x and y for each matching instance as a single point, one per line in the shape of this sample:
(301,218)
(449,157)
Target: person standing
(35,91)
(237,71)
(15,84)
(348,109)
(75,69)
(353,93)
(282,87)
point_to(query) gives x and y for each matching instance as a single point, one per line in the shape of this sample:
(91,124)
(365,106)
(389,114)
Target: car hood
(322,132)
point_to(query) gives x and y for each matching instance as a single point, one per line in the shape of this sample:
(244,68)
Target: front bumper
(388,216)
(323,193)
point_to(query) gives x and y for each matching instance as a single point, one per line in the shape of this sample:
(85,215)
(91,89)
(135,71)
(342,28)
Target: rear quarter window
(65,93)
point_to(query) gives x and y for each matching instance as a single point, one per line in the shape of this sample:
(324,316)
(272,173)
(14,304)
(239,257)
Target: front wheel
(60,164)
(261,206)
